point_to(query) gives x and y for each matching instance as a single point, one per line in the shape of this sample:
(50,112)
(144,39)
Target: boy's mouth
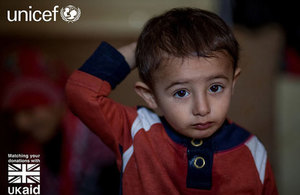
(202,126)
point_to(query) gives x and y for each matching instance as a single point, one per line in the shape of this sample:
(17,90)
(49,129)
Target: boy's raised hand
(128,51)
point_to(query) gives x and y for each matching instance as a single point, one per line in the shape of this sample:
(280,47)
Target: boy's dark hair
(182,32)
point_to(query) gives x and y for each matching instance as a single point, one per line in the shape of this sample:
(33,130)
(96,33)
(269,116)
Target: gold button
(199,158)
(196,142)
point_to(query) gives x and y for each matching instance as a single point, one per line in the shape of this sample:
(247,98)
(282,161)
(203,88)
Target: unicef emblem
(70,13)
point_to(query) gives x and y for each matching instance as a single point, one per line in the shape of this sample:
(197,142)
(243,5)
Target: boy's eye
(215,88)
(181,93)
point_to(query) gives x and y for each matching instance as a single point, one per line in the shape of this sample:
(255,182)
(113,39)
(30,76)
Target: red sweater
(152,157)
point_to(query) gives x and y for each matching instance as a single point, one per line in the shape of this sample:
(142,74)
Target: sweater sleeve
(269,186)
(87,90)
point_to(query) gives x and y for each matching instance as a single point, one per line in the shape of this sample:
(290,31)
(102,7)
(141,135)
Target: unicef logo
(70,13)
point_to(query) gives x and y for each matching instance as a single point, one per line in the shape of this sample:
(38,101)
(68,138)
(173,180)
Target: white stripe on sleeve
(144,120)
(259,154)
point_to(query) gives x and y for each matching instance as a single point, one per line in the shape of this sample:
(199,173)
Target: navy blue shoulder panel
(176,137)
(229,136)
(107,64)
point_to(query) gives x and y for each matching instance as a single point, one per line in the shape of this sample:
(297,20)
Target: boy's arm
(269,187)
(87,90)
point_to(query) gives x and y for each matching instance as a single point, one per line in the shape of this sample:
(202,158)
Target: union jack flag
(23,173)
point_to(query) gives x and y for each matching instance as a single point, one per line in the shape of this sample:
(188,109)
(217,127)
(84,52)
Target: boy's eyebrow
(219,76)
(176,83)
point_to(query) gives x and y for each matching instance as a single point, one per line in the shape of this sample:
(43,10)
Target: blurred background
(266,99)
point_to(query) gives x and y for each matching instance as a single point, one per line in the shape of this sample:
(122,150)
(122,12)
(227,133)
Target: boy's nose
(201,106)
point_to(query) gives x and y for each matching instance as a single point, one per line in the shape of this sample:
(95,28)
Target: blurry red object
(292,61)
(29,78)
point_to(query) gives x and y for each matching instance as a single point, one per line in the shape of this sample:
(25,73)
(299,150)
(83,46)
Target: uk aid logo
(68,14)
(23,174)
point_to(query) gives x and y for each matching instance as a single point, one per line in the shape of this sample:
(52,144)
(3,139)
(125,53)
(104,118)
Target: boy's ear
(146,93)
(236,75)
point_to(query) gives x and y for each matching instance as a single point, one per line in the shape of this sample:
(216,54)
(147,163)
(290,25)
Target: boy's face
(193,94)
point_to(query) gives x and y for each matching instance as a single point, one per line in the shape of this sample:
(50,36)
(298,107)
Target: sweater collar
(228,136)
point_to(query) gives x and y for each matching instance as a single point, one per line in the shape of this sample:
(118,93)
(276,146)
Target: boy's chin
(200,134)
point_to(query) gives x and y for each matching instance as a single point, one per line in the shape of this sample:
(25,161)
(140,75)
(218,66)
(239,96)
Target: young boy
(187,60)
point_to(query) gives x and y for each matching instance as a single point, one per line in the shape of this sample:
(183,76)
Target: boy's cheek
(177,113)
(221,109)
(165,109)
